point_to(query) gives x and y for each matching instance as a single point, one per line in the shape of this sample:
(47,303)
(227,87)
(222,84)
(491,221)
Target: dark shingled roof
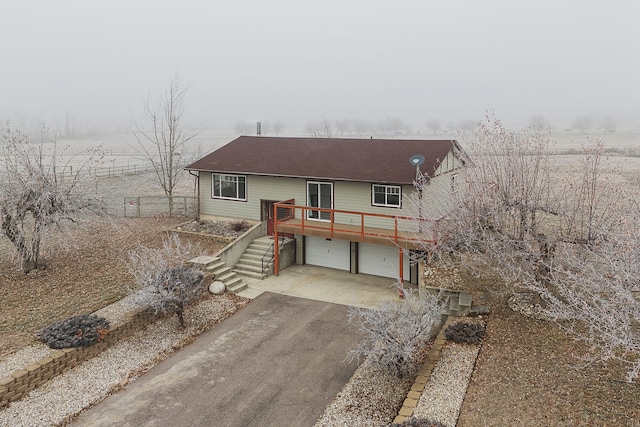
(367,160)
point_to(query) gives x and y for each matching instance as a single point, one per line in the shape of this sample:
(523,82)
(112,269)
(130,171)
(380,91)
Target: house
(346,202)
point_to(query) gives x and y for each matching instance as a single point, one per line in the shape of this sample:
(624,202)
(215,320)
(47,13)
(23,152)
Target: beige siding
(439,196)
(258,187)
(348,196)
(356,196)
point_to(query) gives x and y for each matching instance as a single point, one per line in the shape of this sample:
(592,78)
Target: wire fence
(157,206)
(113,170)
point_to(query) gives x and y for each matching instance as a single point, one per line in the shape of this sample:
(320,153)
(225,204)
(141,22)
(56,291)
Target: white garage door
(331,253)
(382,261)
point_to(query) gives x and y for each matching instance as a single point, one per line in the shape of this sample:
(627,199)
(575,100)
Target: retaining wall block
(6,382)
(20,377)
(17,385)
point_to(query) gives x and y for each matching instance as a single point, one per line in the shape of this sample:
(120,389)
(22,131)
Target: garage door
(381,261)
(331,253)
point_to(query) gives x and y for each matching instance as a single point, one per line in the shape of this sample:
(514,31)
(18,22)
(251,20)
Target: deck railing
(356,225)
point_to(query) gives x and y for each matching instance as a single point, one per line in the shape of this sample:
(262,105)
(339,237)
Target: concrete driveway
(277,362)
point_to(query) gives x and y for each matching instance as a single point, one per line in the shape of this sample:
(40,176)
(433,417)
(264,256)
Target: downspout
(197,191)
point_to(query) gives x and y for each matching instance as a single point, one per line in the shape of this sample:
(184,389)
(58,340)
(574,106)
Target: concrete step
(252,274)
(254,257)
(258,252)
(465,300)
(204,261)
(237,287)
(257,262)
(218,269)
(227,276)
(233,282)
(248,267)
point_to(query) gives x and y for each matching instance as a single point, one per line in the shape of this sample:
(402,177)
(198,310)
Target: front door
(267,214)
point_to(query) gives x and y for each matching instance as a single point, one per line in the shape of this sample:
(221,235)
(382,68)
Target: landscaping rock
(217,288)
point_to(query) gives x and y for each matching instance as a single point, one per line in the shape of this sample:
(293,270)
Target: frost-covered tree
(567,235)
(164,282)
(41,187)
(396,332)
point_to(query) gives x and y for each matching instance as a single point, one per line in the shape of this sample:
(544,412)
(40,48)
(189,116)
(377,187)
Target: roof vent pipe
(259,128)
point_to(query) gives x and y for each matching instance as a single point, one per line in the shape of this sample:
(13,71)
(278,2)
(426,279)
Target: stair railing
(271,249)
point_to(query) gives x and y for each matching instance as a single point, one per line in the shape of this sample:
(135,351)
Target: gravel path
(66,395)
(373,397)
(444,393)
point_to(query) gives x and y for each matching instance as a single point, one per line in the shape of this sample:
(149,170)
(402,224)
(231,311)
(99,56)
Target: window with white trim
(386,195)
(232,187)
(319,195)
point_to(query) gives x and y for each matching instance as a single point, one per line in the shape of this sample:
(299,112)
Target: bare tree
(319,129)
(583,123)
(278,127)
(392,125)
(434,125)
(40,190)
(244,127)
(538,122)
(164,282)
(343,126)
(569,237)
(608,125)
(396,332)
(361,127)
(160,137)
(467,125)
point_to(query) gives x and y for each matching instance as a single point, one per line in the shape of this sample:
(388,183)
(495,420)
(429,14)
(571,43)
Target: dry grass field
(529,373)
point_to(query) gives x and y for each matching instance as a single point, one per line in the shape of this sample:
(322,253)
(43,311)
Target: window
(319,195)
(454,183)
(386,195)
(232,187)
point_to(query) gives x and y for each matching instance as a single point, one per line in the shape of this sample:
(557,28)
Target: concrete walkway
(326,284)
(277,362)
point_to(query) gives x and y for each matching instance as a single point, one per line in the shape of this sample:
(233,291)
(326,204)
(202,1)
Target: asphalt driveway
(277,362)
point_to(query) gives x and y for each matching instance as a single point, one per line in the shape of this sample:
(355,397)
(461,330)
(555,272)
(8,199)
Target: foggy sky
(296,61)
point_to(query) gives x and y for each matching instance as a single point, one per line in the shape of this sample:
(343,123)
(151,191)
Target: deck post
(276,252)
(401,285)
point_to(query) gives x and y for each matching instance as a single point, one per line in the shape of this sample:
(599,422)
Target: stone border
(18,384)
(410,403)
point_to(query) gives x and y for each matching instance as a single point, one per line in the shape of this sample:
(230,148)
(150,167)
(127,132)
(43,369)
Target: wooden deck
(354,233)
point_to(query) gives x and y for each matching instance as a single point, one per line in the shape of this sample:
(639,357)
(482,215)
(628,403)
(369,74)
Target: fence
(114,170)
(154,206)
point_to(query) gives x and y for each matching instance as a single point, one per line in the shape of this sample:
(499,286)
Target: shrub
(171,290)
(418,422)
(76,331)
(396,332)
(240,226)
(464,332)
(163,282)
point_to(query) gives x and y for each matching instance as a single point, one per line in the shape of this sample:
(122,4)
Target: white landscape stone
(217,287)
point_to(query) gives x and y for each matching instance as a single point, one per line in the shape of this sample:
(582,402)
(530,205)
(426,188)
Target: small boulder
(217,287)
